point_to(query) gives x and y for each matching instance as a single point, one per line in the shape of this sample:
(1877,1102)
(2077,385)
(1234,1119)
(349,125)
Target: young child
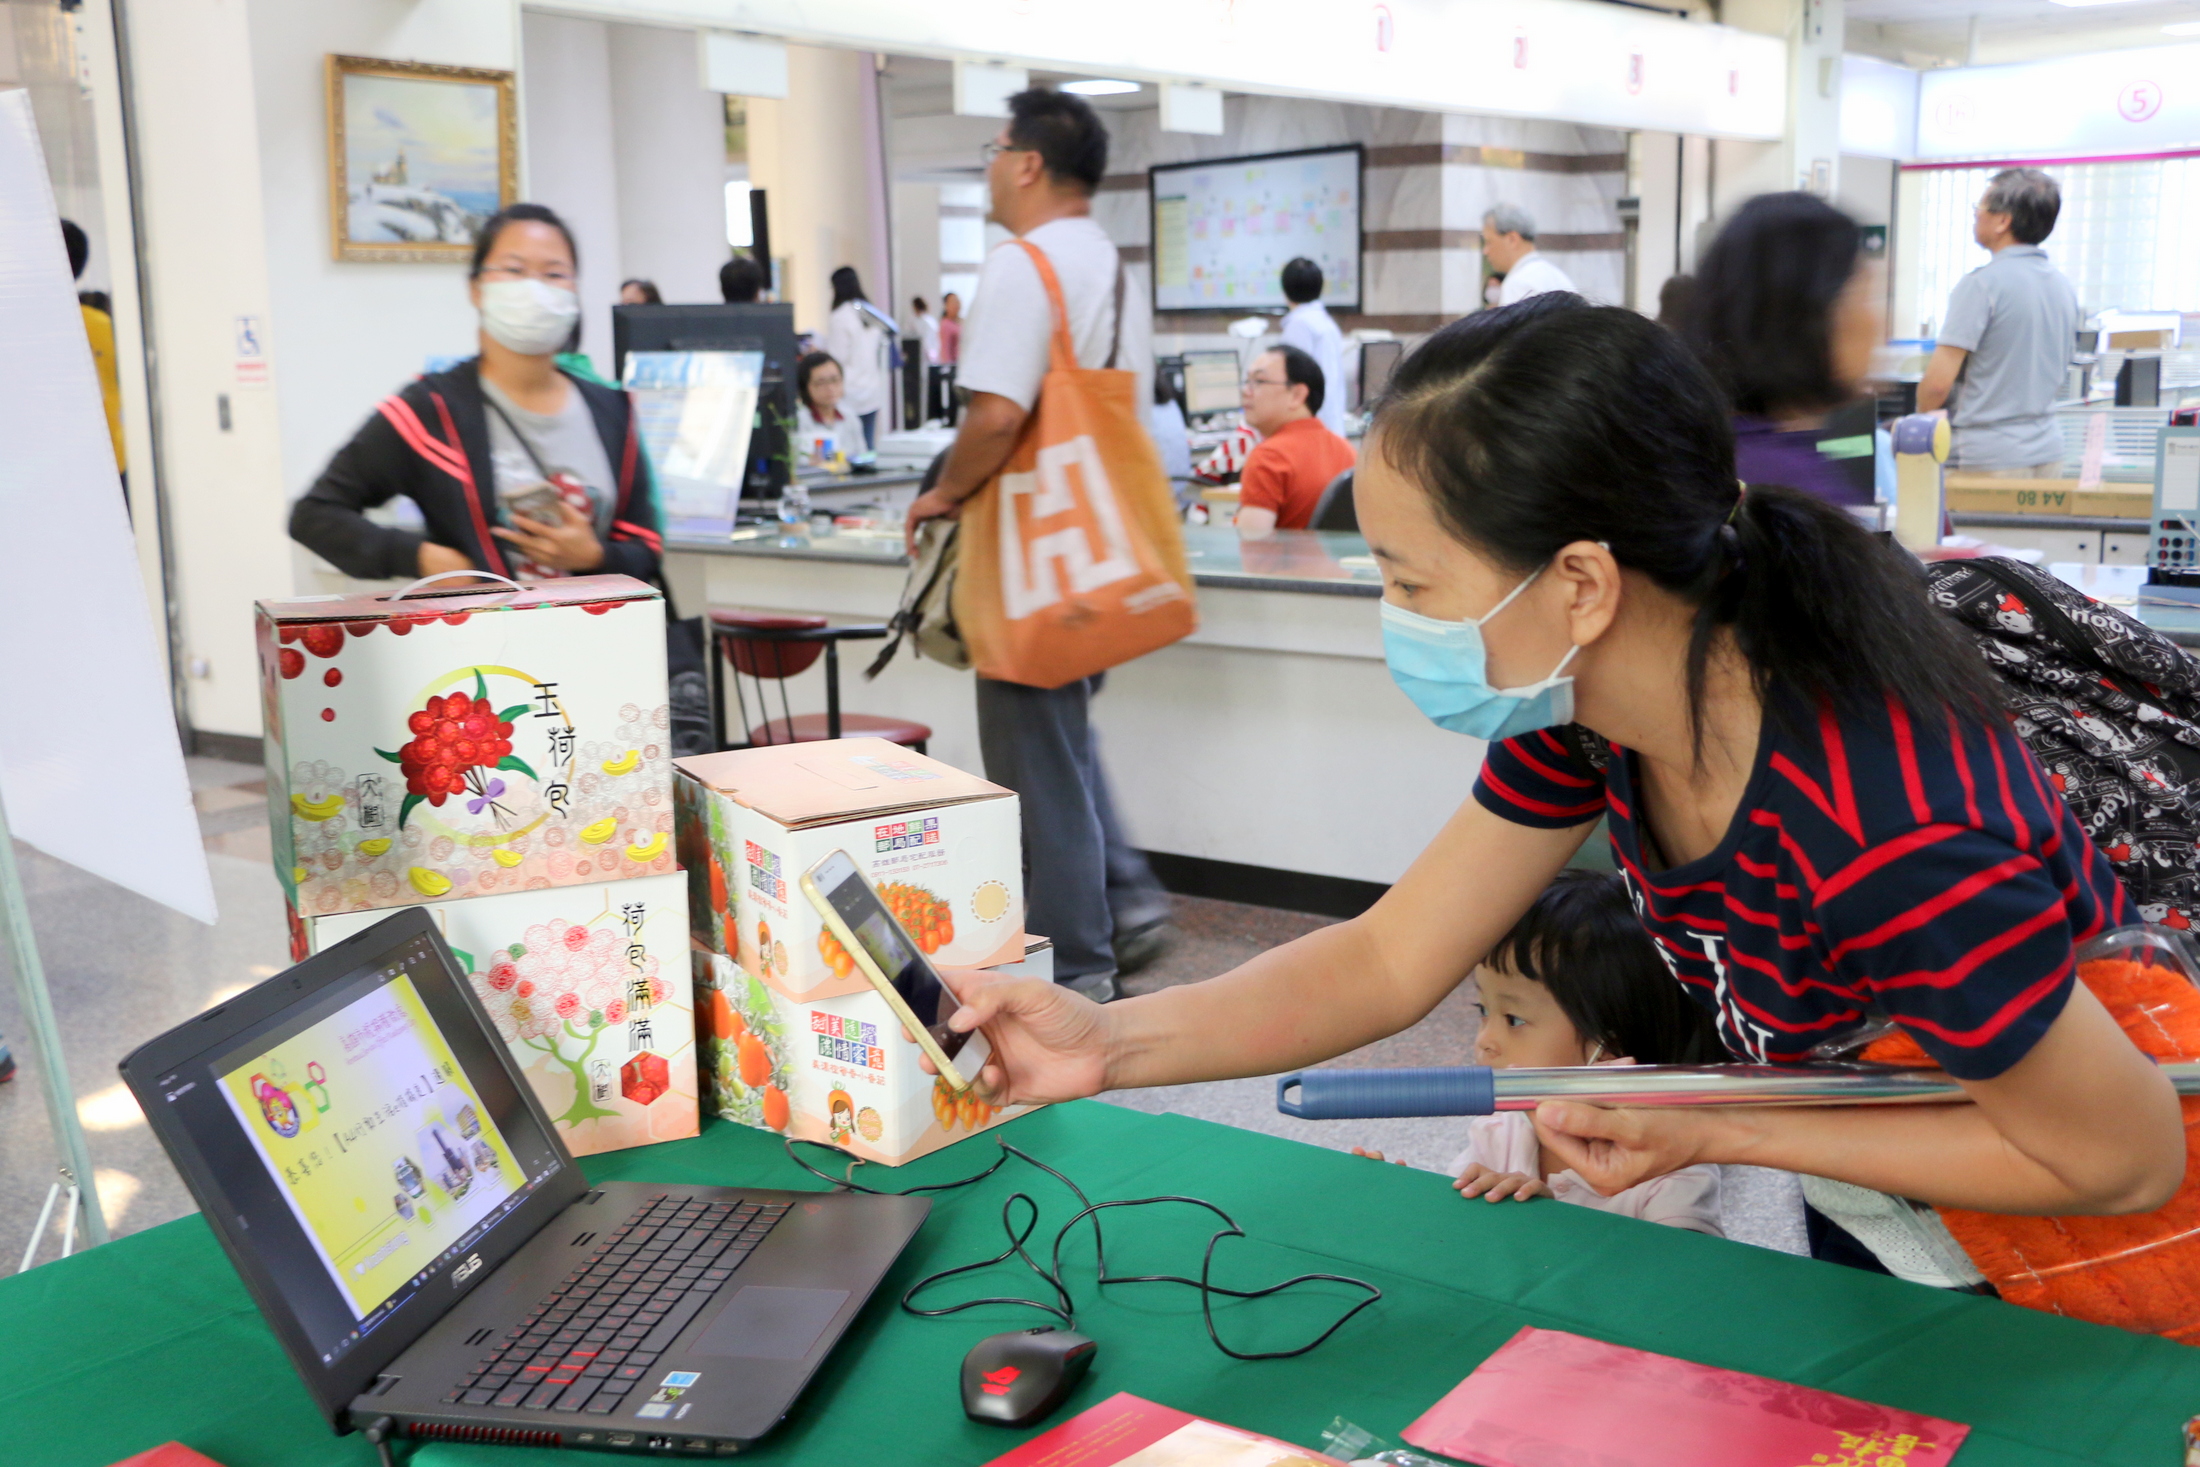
(1576,982)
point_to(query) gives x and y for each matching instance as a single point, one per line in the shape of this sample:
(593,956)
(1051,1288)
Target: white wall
(670,136)
(350,333)
(572,161)
(812,156)
(198,134)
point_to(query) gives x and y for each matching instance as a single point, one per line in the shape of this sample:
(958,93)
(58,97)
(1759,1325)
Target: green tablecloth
(152,1338)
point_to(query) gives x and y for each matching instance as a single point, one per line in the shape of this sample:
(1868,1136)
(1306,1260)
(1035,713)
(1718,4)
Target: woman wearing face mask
(518,466)
(1824,818)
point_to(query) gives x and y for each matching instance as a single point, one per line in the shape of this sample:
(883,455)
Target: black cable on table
(1065,1309)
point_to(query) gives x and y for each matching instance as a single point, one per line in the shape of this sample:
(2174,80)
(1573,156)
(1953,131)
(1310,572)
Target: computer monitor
(752,326)
(1378,359)
(1211,382)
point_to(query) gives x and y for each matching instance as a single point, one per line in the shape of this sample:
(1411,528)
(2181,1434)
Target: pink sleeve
(1504,1142)
(1688,1198)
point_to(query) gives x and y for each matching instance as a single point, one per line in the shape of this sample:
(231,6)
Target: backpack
(2108,706)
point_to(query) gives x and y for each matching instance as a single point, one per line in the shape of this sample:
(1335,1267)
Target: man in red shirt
(1285,476)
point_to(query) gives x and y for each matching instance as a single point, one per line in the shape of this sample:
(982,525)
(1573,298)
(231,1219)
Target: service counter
(1273,736)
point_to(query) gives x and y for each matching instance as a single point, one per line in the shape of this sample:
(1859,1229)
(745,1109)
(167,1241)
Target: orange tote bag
(1073,557)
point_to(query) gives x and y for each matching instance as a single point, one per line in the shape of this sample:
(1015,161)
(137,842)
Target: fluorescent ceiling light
(2091,2)
(1100,87)
(2182,28)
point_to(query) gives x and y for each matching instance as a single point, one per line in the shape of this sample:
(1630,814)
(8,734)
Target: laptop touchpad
(764,1323)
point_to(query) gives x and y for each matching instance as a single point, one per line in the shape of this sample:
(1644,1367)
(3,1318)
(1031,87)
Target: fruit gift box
(944,848)
(463,743)
(592,990)
(837,1070)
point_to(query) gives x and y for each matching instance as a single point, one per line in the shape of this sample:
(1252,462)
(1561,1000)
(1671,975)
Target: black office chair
(1334,511)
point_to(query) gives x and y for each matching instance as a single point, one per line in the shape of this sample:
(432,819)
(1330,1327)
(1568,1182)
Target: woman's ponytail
(1820,606)
(1555,421)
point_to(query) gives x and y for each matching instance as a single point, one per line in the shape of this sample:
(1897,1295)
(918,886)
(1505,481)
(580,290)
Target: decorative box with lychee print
(944,849)
(466,743)
(837,1070)
(592,989)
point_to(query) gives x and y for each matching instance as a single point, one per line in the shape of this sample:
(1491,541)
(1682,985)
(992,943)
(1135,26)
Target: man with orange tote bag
(1087,888)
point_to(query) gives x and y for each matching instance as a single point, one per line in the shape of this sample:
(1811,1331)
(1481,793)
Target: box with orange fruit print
(944,849)
(837,1070)
(465,742)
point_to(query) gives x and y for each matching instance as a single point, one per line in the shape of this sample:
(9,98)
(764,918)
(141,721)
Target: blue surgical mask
(1443,668)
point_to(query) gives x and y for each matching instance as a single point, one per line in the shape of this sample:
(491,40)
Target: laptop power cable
(1063,1308)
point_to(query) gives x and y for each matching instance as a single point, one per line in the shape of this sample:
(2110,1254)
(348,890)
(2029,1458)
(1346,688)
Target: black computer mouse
(1016,1378)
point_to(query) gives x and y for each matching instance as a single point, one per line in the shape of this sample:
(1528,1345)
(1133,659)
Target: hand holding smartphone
(540,503)
(855,914)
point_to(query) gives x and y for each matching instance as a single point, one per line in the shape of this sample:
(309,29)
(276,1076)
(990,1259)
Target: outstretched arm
(1329,992)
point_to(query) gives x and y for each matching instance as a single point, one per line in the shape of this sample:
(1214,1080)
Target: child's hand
(1495,1186)
(1374,1156)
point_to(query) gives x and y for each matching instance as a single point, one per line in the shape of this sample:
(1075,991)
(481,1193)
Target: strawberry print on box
(591,989)
(461,745)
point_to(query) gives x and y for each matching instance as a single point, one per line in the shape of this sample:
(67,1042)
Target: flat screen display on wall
(1224,228)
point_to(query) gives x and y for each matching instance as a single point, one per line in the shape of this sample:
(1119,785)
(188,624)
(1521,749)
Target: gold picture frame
(418,156)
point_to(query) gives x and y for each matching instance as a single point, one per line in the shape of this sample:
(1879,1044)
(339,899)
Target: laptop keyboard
(594,1338)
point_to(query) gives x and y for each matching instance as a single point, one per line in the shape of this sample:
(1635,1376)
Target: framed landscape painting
(419,157)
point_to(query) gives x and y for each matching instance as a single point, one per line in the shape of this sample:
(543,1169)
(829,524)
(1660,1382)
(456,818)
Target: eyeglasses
(1252,382)
(992,150)
(552,276)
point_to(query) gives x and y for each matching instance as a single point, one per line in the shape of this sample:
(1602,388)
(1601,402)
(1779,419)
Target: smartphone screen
(889,946)
(539,504)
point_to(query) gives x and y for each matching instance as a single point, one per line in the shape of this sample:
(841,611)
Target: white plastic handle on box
(464,590)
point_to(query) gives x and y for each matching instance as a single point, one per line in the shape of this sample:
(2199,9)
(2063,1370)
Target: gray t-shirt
(2018,318)
(566,439)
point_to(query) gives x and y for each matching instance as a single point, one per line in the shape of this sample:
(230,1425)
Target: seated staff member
(507,425)
(1822,812)
(1297,457)
(822,432)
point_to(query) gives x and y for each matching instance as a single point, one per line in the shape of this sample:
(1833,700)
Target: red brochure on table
(1546,1396)
(169,1454)
(1125,1431)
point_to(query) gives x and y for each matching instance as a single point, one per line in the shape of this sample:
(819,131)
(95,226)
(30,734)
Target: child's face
(1522,1025)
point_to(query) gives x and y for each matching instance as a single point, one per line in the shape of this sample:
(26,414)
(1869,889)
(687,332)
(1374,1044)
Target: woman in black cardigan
(518,467)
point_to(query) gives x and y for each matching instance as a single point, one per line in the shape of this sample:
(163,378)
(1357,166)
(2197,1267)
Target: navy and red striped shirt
(1871,871)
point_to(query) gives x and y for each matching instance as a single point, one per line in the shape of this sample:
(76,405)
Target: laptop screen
(364,1139)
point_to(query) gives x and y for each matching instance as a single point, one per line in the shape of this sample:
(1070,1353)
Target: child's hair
(1581,941)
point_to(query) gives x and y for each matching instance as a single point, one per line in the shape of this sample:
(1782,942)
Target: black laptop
(400,1206)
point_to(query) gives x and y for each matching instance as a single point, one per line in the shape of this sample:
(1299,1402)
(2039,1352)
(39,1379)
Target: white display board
(1224,229)
(89,753)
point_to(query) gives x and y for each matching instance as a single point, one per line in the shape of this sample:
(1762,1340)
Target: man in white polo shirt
(1086,886)
(1508,243)
(2011,331)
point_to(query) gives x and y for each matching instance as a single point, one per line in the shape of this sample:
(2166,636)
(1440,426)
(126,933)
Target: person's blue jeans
(1083,880)
(870,428)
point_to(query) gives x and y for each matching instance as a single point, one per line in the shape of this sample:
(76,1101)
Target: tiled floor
(122,969)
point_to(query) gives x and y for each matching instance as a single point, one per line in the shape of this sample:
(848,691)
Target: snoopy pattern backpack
(2111,710)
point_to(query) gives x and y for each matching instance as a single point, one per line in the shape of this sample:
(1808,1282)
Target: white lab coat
(1311,329)
(859,344)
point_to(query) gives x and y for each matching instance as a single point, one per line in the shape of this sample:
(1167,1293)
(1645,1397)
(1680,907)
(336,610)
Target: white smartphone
(882,948)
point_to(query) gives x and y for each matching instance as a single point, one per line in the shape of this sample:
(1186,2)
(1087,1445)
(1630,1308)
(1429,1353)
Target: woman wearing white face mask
(518,465)
(1824,817)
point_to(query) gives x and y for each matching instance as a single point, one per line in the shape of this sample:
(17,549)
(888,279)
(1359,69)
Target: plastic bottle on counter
(794,505)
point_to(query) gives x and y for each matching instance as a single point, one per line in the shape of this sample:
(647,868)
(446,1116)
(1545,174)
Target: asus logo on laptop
(466,1270)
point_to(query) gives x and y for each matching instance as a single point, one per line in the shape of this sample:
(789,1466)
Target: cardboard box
(945,848)
(1980,494)
(462,744)
(837,1070)
(591,988)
